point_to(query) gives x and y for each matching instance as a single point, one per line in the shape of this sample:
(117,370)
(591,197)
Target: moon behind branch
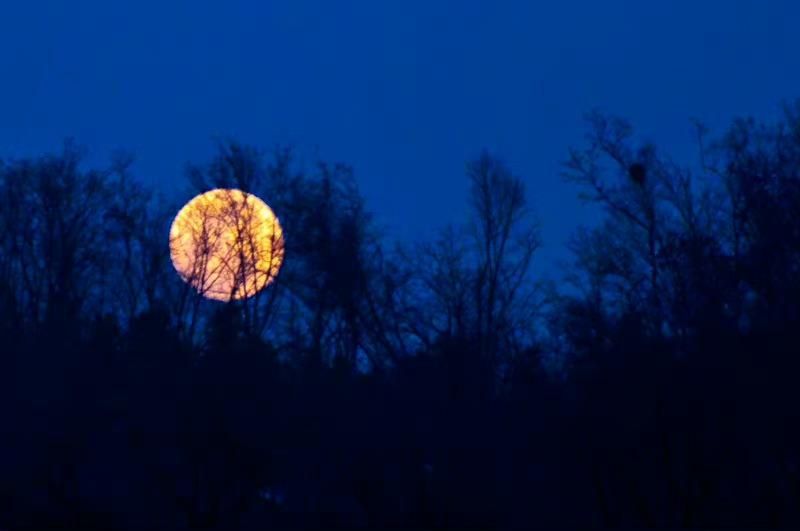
(227,244)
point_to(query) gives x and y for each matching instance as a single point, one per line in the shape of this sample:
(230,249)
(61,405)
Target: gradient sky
(405,91)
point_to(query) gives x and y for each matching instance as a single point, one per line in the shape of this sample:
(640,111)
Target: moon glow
(227,244)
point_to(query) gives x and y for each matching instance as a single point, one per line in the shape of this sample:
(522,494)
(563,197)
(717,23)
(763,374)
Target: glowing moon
(227,244)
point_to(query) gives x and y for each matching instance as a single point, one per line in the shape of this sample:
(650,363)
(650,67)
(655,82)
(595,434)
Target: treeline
(433,384)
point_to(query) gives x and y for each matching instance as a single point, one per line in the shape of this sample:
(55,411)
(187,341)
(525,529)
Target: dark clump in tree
(433,385)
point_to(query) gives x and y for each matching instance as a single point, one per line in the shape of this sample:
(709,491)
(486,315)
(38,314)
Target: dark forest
(434,384)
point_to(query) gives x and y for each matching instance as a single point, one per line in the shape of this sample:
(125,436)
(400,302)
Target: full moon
(227,244)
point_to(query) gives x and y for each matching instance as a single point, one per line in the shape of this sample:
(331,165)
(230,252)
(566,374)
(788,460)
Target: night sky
(405,91)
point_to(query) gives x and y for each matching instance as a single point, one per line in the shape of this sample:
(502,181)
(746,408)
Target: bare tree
(477,279)
(506,239)
(135,222)
(54,252)
(228,246)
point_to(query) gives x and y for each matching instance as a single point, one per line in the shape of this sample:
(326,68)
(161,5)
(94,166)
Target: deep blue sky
(406,91)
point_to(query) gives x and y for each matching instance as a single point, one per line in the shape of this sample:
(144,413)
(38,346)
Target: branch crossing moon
(227,244)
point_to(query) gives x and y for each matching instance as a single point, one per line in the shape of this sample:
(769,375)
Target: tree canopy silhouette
(435,384)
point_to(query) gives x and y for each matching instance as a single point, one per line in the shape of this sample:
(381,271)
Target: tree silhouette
(429,385)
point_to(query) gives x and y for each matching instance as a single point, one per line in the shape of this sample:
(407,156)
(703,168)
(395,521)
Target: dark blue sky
(405,91)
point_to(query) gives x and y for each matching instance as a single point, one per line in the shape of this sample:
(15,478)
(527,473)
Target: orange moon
(227,244)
